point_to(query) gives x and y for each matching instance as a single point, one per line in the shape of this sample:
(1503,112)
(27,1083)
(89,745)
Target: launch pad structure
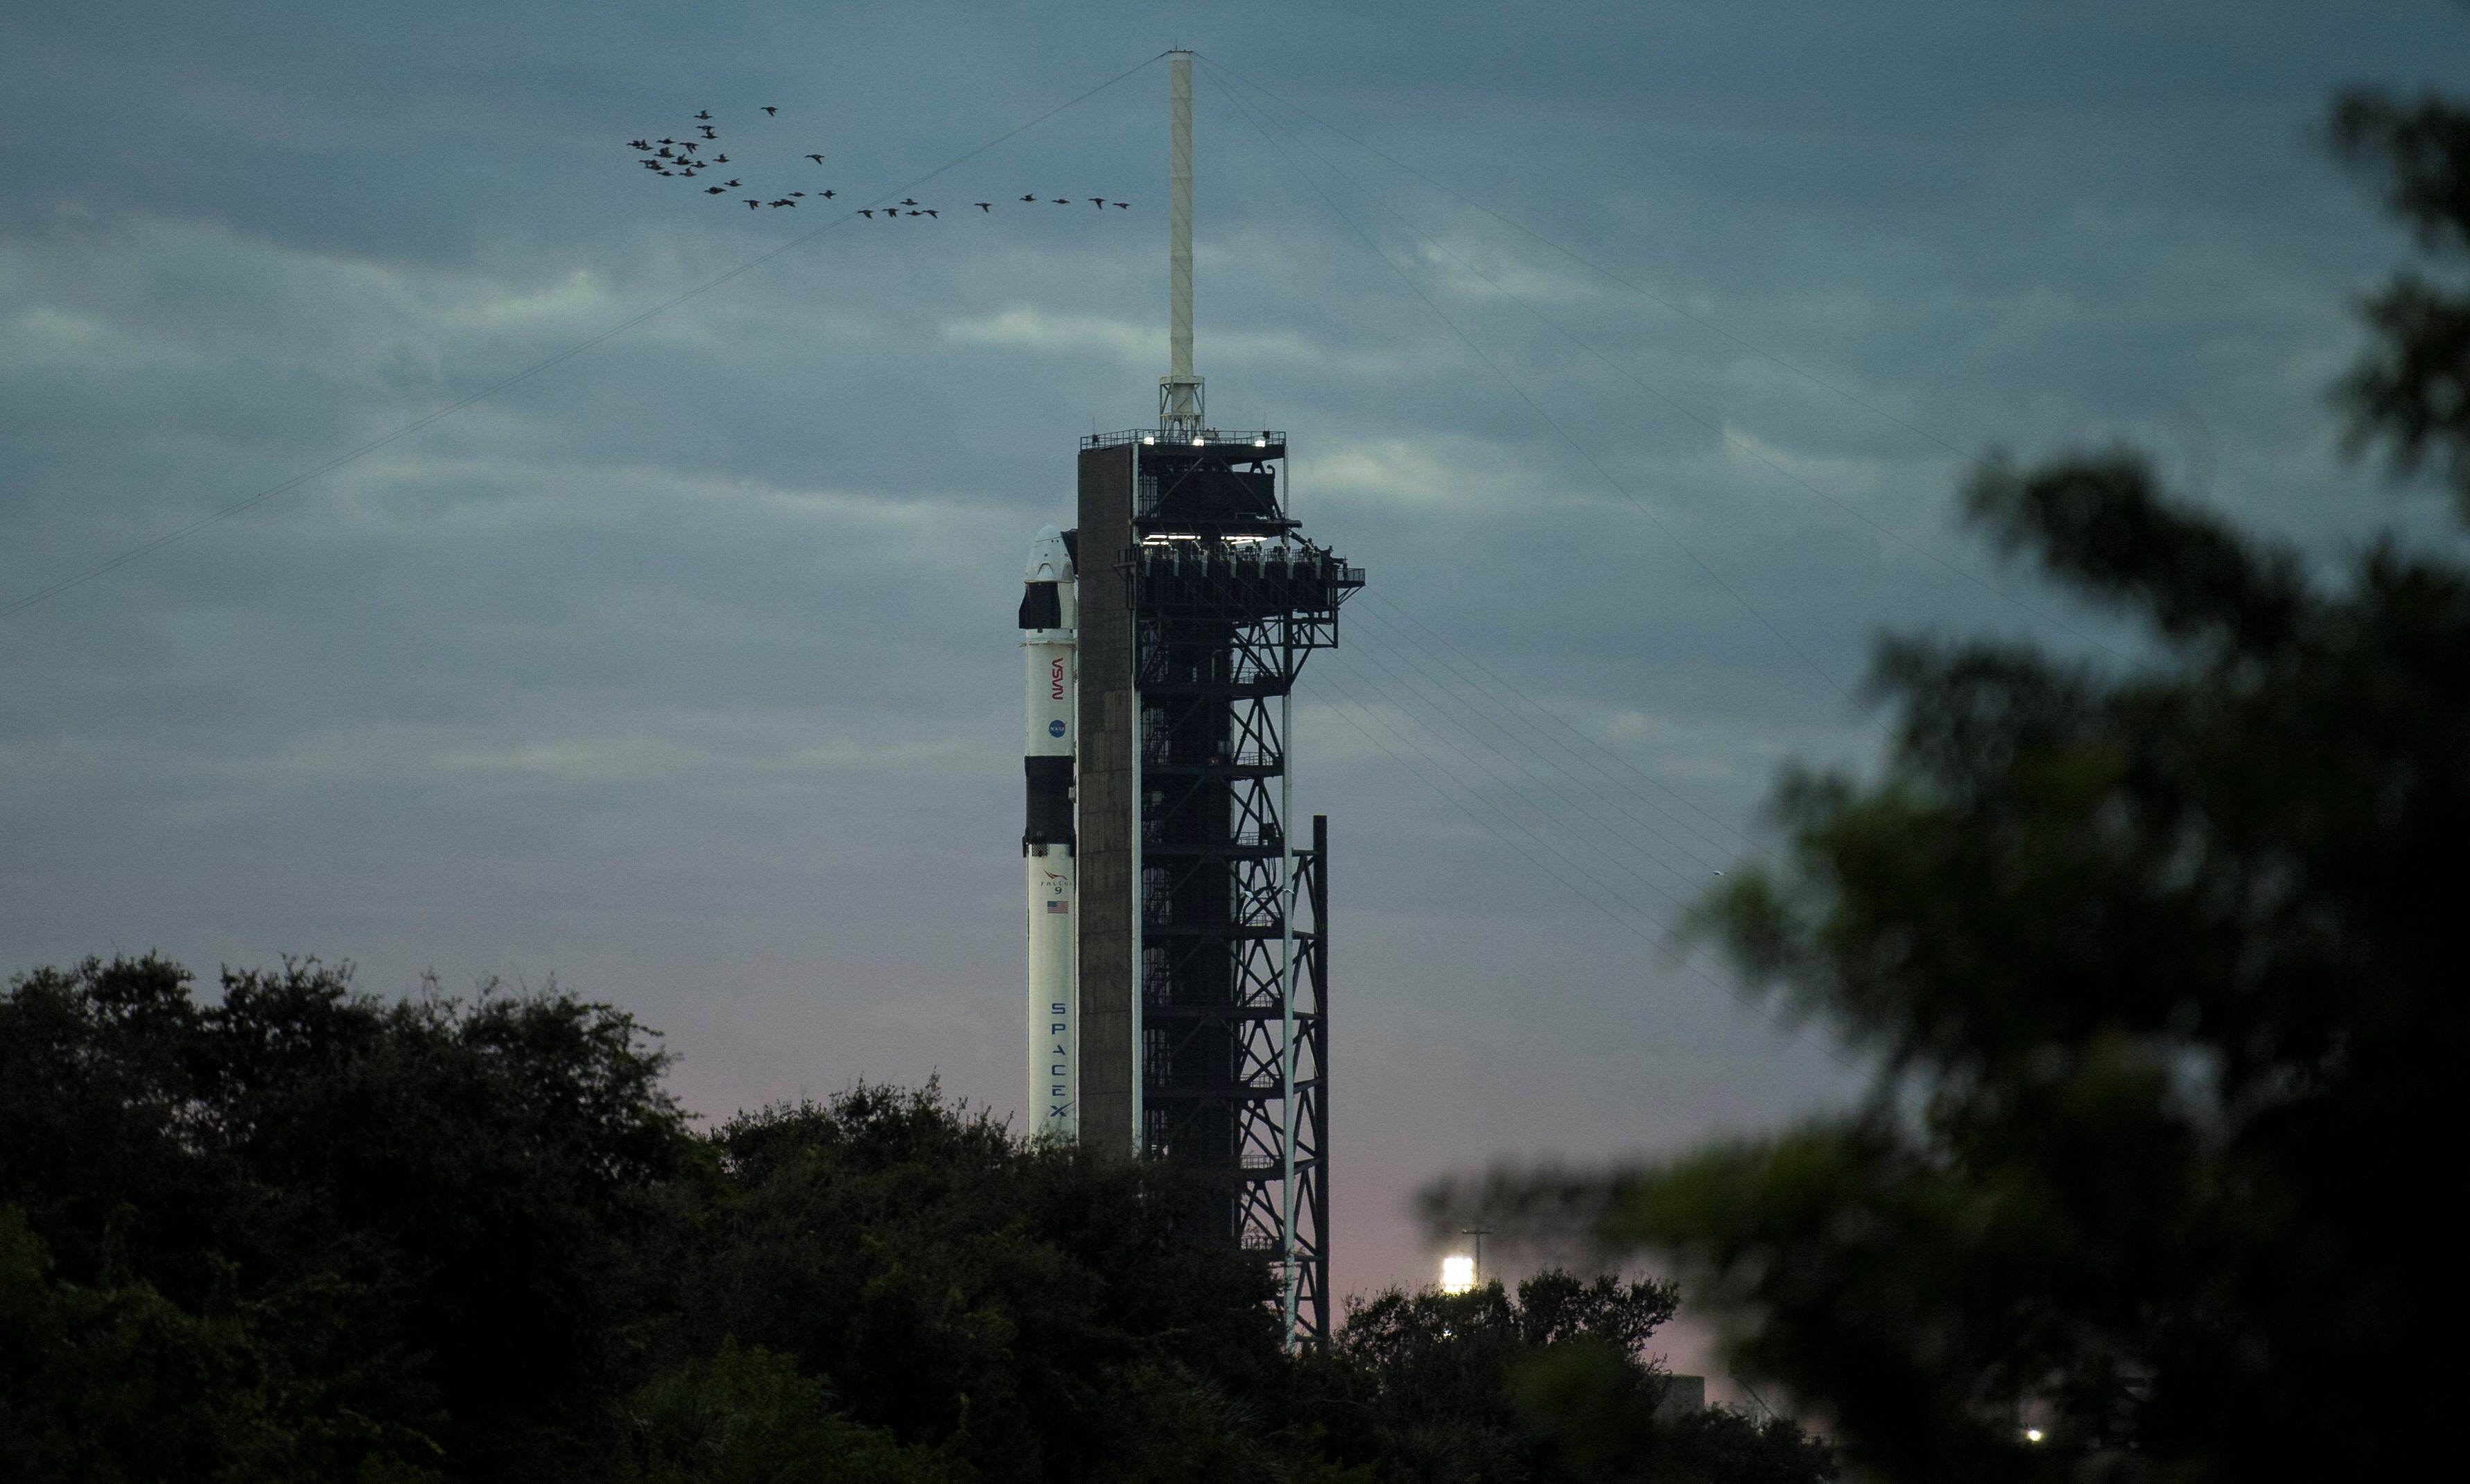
(1178,937)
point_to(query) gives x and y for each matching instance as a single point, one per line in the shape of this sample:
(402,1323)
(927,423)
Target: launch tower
(1196,1029)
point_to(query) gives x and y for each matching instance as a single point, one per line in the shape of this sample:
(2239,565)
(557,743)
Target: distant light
(1260,443)
(1197,442)
(2032,1434)
(1457,1274)
(1149,438)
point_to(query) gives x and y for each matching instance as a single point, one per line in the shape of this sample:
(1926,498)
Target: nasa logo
(1055,677)
(1055,727)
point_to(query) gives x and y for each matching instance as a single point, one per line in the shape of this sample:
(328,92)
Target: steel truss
(1233,916)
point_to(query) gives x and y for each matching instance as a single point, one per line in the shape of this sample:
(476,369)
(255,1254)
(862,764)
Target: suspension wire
(847,216)
(1476,687)
(1730,438)
(1532,404)
(1518,749)
(1467,711)
(1592,267)
(1735,991)
(1541,812)
(1407,738)
(1529,707)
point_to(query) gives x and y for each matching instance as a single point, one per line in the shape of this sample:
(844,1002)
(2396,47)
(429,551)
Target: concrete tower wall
(1109,806)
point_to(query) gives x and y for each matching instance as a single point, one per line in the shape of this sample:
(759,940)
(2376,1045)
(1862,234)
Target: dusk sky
(685,670)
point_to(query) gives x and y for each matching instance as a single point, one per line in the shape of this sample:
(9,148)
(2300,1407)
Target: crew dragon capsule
(1048,641)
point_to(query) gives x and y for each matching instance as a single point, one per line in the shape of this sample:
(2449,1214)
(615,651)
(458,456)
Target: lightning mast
(1180,402)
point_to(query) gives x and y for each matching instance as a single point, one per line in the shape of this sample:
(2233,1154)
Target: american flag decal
(1055,907)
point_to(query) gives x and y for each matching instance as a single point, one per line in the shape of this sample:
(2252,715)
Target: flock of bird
(683,159)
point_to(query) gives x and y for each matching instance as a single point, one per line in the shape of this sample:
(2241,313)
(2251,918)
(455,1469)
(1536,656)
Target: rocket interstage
(1048,644)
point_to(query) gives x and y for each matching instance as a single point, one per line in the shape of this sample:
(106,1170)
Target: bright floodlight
(2032,1434)
(1457,1274)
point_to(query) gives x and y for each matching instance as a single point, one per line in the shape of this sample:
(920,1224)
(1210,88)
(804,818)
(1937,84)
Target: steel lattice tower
(1194,630)
(1195,1026)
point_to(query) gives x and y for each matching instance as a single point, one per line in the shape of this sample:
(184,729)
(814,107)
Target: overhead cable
(1592,267)
(1526,712)
(1726,435)
(1507,744)
(1532,406)
(1627,924)
(1515,792)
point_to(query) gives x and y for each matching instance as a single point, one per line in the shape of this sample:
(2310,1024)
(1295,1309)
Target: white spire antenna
(1179,393)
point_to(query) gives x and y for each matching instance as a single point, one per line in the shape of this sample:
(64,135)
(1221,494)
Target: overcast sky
(685,670)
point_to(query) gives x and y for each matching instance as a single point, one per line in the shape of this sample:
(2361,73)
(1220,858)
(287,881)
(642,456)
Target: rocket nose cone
(1048,559)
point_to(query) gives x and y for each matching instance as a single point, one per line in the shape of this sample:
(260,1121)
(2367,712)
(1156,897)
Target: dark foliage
(303,1234)
(432,1208)
(1551,1384)
(115,1381)
(1028,1311)
(2164,971)
(2411,395)
(748,1417)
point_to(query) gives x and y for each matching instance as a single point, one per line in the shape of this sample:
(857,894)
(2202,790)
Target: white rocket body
(1049,623)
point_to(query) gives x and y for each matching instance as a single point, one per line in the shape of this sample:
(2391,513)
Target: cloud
(1023,327)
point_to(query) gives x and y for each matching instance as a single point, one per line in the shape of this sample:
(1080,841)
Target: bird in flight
(908,201)
(1060,201)
(708,132)
(768,109)
(864,212)
(668,141)
(1029,197)
(785,202)
(705,114)
(1098,201)
(817,158)
(638,144)
(692,146)
(1123,205)
(985,206)
(715,191)
(720,159)
(828,194)
(668,154)
(797,192)
(732,182)
(752,203)
(930,211)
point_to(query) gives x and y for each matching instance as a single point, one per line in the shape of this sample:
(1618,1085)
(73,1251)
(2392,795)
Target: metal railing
(1252,440)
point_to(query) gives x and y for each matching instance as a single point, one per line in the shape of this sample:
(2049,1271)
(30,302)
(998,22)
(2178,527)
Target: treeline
(296,1232)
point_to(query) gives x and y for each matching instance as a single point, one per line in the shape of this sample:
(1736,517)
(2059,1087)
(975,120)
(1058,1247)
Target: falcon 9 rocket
(1048,637)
